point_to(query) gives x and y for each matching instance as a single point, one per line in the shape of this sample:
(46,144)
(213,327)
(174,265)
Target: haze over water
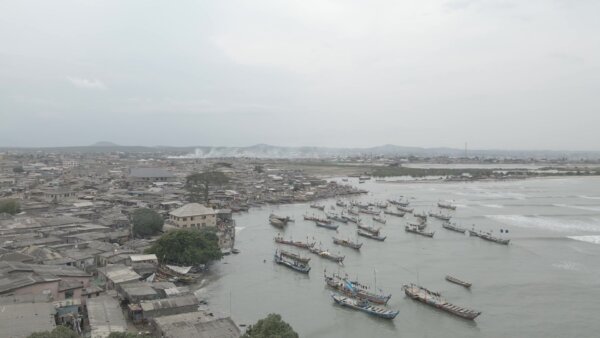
(542,285)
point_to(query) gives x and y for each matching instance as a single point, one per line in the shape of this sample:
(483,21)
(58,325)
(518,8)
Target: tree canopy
(270,327)
(187,247)
(10,206)
(198,184)
(126,335)
(146,222)
(58,332)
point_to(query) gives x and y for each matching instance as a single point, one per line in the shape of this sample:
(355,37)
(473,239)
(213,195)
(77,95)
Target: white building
(193,215)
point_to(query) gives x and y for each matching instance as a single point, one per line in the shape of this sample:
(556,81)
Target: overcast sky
(493,73)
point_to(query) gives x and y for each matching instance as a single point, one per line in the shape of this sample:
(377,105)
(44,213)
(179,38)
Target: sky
(498,74)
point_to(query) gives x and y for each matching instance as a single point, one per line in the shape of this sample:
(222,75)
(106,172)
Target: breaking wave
(579,207)
(547,223)
(495,206)
(570,266)
(595,239)
(589,197)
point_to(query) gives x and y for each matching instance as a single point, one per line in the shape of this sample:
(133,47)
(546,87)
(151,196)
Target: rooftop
(150,172)
(192,209)
(21,320)
(105,316)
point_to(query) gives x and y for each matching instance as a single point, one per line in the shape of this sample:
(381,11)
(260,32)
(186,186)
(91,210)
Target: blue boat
(364,306)
(293,264)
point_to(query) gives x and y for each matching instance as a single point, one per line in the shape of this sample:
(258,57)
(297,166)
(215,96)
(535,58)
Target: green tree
(271,327)
(58,332)
(10,206)
(187,247)
(18,170)
(258,168)
(198,184)
(146,222)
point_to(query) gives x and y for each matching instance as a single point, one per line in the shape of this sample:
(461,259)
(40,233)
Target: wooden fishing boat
(316,219)
(317,206)
(419,226)
(292,264)
(282,219)
(337,218)
(294,256)
(416,230)
(370,235)
(369,211)
(453,227)
(355,220)
(327,255)
(354,212)
(393,213)
(489,237)
(457,281)
(440,216)
(405,209)
(341,203)
(277,223)
(379,220)
(357,289)
(364,306)
(326,225)
(297,244)
(382,205)
(422,215)
(434,299)
(372,230)
(347,243)
(445,205)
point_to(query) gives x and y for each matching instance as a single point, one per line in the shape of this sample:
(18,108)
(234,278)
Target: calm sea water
(544,284)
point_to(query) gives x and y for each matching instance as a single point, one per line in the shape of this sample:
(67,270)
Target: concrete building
(193,215)
(105,316)
(148,176)
(195,325)
(22,319)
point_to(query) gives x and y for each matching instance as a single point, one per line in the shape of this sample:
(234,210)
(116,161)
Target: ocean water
(546,283)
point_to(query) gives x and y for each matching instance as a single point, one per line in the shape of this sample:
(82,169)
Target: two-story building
(193,215)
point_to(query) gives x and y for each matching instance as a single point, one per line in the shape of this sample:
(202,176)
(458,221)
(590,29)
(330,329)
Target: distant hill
(104,144)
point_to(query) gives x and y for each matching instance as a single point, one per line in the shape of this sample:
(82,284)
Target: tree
(146,222)
(10,206)
(18,170)
(58,332)
(270,327)
(187,247)
(258,169)
(198,184)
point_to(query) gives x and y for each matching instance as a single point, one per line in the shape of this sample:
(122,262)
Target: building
(148,176)
(105,316)
(22,319)
(195,325)
(193,215)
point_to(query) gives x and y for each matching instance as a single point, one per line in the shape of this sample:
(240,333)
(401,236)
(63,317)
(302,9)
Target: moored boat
(440,216)
(405,209)
(434,299)
(335,217)
(415,230)
(393,213)
(422,216)
(327,255)
(379,220)
(370,235)
(292,264)
(357,290)
(277,223)
(446,205)
(294,256)
(317,206)
(347,243)
(316,219)
(489,237)
(420,226)
(458,281)
(369,211)
(326,225)
(372,230)
(364,306)
(298,244)
(453,227)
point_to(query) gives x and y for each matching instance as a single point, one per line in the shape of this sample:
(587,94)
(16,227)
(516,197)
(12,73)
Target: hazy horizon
(497,74)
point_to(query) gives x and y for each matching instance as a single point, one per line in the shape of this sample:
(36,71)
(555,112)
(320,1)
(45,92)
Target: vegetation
(270,327)
(198,184)
(187,247)
(58,332)
(10,206)
(259,169)
(146,222)
(18,170)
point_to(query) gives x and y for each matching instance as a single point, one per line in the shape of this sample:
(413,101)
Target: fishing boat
(355,220)
(364,306)
(292,264)
(489,237)
(435,299)
(422,216)
(446,205)
(361,181)
(298,244)
(344,179)
(327,255)
(277,223)
(316,219)
(381,205)
(341,203)
(347,243)
(326,225)
(335,217)
(453,227)
(405,209)
(379,220)
(370,235)
(282,219)
(372,230)
(439,216)
(415,230)
(354,212)
(369,211)
(393,213)
(317,206)
(457,281)
(420,226)
(357,289)
(294,256)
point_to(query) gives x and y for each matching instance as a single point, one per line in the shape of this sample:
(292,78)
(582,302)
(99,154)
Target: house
(105,316)
(147,176)
(115,274)
(19,320)
(195,325)
(169,306)
(193,215)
